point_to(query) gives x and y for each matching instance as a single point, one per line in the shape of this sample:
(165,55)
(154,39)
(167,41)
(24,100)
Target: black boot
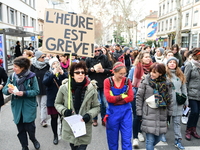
(55,140)
(36,144)
(25,148)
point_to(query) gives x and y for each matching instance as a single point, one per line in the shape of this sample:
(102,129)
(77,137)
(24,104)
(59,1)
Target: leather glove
(86,118)
(68,112)
(139,118)
(124,95)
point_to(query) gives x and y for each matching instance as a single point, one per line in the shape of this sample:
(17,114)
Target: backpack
(125,83)
(12,77)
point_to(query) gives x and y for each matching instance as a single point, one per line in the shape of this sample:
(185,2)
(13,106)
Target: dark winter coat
(3,79)
(18,51)
(40,74)
(117,54)
(99,77)
(51,87)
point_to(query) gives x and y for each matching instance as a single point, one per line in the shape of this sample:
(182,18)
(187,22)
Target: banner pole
(69,84)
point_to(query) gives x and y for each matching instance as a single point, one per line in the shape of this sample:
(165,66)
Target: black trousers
(80,147)
(23,129)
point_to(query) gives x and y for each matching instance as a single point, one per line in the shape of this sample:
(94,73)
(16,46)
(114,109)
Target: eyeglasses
(79,72)
(42,57)
(97,51)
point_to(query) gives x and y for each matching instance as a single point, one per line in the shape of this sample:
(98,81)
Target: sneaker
(135,143)
(44,124)
(184,120)
(179,145)
(140,137)
(163,138)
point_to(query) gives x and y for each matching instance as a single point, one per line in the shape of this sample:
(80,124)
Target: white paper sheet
(77,126)
(186,110)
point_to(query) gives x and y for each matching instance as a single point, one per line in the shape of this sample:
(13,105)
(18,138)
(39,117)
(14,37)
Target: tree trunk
(178,23)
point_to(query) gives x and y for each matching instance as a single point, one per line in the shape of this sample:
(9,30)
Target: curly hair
(75,66)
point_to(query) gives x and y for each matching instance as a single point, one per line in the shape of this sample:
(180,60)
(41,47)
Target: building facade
(167,23)
(19,15)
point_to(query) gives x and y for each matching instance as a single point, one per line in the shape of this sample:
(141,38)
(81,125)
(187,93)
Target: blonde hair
(140,57)
(178,73)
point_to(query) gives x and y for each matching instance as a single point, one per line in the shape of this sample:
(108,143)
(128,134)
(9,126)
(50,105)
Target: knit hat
(172,58)
(161,50)
(126,48)
(52,60)
(38,54)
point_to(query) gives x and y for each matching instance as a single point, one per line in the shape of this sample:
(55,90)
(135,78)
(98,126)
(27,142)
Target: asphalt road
(9,140)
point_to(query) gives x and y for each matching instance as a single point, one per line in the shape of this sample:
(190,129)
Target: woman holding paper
(154,120)
(82,100)
(24,87)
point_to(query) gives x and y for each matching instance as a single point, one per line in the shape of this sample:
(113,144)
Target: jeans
(42,102)
(23,129)
(152,140)
(194,114)
(136,123)
(102,101)
(80,147)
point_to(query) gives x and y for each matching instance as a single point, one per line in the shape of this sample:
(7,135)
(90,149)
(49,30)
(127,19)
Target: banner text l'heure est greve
(68,33)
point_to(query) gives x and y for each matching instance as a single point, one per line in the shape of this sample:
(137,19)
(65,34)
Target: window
(194,40)
(196,13)
(160,11)
(0,12)
(30,3)
(174,22)
(23,20)
(196,0)
(33,3)
(170,24)
(186,19)
(166,25)
(12,16)
(167,7)
(159,27)
(172,2)
(163,9)
(162,25)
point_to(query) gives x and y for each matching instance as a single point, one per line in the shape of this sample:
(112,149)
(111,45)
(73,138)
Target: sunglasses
(42,57)
(79,72)
(97,51)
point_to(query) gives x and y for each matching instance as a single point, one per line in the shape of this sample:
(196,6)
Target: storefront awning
(17,33)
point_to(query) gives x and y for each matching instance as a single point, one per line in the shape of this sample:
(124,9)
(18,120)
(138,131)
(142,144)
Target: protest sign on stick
(68,33)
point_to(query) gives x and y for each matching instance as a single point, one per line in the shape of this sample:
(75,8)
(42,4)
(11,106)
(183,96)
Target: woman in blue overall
(119,94)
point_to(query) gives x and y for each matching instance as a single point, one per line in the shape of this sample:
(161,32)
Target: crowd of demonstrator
(136,91)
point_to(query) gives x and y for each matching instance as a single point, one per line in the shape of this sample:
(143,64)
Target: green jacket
(25,105)
(90,105)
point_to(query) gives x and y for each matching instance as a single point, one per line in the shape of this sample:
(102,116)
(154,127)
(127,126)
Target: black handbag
(180,98)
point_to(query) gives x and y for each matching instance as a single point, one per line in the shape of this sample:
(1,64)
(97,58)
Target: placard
(68,33)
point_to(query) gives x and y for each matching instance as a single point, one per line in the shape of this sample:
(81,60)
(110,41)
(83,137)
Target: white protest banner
(68,33)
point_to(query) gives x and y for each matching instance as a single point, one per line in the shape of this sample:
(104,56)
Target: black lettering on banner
(48,42)
(81,21)
(87,23)
(85,48)
(59,17)
(82,32)
(76,48)
(72,20)
(76,36)
(67,46)
(65,22)
(65,34)
(47,18)
(92,49)
(59,44)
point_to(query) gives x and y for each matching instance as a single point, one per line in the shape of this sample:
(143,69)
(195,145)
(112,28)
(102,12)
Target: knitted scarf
(20,78)
(159,85)
(140,70)
(78,88)
(65,65)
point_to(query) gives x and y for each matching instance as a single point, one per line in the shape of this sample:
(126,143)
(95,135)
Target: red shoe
(188,134)
(194,133)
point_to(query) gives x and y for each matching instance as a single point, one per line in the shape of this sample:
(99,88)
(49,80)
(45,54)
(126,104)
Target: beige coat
(154,120)
(90,105)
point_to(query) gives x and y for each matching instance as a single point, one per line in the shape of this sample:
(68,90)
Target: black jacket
(51,87)
(3,80)
(40,74)
(117,54)
(99,77)
(18,51)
